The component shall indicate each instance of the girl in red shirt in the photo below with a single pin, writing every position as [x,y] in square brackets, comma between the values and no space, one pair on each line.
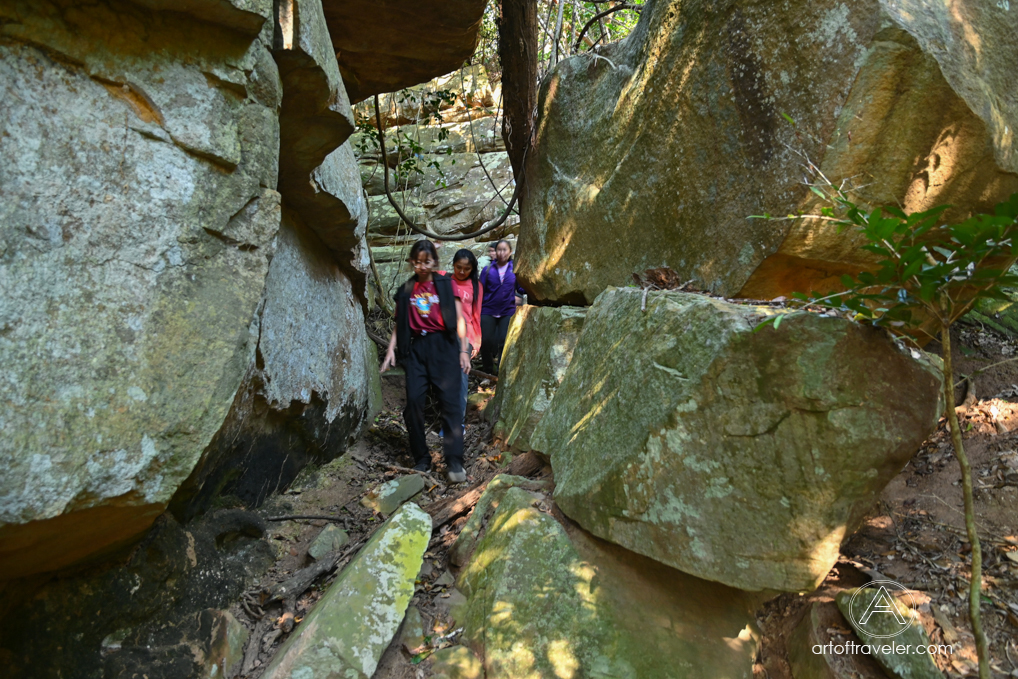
[430,341]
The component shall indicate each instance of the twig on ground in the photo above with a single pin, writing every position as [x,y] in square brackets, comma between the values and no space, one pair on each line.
[307,517]
[407,470]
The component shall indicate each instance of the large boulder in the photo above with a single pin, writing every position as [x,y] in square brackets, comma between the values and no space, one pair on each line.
[347,631]
[386,46]
[653,151]
[313,387]
[314,381]
[318,174]
[538,348]
[135,236]
[545,601]
[737,456]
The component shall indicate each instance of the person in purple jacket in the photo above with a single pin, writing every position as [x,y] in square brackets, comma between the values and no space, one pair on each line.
[501,295]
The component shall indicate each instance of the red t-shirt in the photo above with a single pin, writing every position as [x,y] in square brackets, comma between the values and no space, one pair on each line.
[425,314]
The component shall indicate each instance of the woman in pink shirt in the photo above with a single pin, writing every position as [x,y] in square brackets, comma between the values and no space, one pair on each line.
[470,293]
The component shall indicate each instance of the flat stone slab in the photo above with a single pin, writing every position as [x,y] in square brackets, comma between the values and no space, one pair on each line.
[346,633]
[386,498]
[881,617]
[330,539]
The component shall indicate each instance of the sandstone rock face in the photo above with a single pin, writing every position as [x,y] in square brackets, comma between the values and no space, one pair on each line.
[546,602]
[386,46]
[655,151]
[538,348]
[318,174]
[735,456]
[457,148]
[156,352]
[346,632]
[315,380]
[314,385]
[138,167]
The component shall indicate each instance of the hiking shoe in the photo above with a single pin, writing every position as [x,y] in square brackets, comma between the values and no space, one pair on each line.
[423,466]
[456,473]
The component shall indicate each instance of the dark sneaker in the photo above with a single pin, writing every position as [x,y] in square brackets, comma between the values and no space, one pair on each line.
[456,473]
[423,466]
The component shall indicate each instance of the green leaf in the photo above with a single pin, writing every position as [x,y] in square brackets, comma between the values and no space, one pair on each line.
[777,321]
[788,118]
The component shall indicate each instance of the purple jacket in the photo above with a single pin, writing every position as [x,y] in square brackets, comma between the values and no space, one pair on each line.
[499,296]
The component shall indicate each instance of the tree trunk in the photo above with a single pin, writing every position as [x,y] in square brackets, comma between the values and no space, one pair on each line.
[517,47]
[558,32]
[975,583]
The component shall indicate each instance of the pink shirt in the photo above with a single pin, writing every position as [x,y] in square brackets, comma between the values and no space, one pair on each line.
[471,308]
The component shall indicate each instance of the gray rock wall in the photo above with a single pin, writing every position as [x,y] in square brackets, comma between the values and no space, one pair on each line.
[138,168]
[314,384]
[459,148]
[143,146]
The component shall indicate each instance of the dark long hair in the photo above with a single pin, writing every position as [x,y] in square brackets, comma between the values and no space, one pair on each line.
[423,245]
[463,253]
[508,245]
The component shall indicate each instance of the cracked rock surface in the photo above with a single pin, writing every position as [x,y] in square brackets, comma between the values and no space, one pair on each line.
[138,165]
[740,457]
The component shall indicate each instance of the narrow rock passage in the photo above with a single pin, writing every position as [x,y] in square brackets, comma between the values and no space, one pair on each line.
[348,493]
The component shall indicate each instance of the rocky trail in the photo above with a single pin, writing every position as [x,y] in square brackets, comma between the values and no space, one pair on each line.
[340,493]
[915,536]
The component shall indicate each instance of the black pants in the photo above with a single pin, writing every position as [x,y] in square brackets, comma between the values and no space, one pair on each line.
[493,332]
[434,360]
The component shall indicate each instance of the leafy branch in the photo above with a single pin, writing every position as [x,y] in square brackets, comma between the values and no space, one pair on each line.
[927,275]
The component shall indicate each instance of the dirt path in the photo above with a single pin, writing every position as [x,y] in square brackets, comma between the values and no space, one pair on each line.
[335,490]
[915,535]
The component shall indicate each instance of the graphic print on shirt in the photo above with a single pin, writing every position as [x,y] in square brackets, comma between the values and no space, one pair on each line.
[423,302]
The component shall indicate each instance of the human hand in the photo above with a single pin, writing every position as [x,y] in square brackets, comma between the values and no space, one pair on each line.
[464,363]
[390,360]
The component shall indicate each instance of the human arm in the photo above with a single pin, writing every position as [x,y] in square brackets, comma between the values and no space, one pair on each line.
[475,322]
[390,353]
[461,334]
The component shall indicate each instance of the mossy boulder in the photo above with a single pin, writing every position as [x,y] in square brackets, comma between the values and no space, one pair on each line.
[654,150]
[347,631]
[738,456]
[538,348]
[544,601]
